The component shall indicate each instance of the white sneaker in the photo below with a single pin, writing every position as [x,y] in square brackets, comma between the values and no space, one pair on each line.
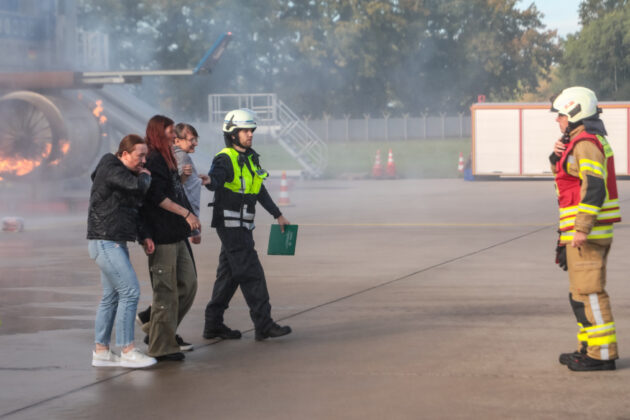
[105,358]
[136,359]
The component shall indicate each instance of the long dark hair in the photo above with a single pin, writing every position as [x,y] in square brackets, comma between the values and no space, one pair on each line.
[156,139]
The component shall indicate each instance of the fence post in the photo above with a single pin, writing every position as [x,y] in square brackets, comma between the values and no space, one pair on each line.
[347,118]
[443,116]
[461,125]
[424,125]
[367,126]
[326,120]
[386,117]
[405,122]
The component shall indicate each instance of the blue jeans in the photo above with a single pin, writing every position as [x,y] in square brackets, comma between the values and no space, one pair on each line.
[121,292]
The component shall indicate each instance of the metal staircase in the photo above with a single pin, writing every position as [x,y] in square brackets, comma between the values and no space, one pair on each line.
[277,120]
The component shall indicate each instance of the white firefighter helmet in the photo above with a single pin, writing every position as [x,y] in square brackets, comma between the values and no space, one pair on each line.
[576,102]
[239,118]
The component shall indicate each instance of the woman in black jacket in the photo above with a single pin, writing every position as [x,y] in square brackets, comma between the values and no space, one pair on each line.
[168,221]
[118,184]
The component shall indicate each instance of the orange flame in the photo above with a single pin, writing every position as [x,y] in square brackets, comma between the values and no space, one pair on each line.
[64,146]
[18,166]
[98,109]
[98,112]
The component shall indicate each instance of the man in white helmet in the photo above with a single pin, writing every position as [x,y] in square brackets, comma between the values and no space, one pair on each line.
[583,164]
[237,180]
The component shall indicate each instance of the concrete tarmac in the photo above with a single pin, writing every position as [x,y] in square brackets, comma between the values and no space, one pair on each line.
[408,299]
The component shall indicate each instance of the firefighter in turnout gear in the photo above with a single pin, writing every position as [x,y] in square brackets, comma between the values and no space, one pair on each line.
[236,178]
[584,168]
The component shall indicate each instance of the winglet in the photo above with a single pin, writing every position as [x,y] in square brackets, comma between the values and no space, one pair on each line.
[213,55]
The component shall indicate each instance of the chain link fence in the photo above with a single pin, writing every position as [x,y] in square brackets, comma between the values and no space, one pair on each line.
[390,128]
[333,130]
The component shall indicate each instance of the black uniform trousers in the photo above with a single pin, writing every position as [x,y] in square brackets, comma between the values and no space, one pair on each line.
[239,266]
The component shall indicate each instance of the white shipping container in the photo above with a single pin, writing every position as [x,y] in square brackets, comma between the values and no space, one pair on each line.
[512,139]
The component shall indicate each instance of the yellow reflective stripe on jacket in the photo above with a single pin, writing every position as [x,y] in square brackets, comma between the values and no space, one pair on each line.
[598,232]
[607,149]
[570,196]
[610,204]
[602,216]
[588,209]
[568,211]
[591,165]
[609,214]
[609,210]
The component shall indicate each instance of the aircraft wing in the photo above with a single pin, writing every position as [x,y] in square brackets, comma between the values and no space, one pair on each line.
[96,79]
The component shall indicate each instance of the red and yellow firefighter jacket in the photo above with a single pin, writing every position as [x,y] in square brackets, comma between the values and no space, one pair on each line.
[587,188]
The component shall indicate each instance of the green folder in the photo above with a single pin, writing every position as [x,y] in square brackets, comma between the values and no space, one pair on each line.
[282,243]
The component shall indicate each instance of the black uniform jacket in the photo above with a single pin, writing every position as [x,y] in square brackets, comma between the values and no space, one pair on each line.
[115,197]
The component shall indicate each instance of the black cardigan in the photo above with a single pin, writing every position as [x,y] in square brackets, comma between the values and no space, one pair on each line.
[161,225]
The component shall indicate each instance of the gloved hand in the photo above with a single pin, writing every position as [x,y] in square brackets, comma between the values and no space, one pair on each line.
[561,256]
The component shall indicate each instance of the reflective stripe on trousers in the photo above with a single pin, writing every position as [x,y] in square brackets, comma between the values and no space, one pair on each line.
[590,302]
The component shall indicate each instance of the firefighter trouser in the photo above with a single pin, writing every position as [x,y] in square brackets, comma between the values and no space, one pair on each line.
[239,266]
[590,302]
[174,282]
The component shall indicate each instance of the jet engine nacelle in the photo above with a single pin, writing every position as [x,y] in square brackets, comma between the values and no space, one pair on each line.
[46,137]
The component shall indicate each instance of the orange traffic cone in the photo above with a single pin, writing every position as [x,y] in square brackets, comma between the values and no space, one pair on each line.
[391,166]
[377,169]
[460,165]
[283,199]
[12,224]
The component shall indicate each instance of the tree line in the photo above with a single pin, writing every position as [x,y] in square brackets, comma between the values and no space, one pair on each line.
[356,57]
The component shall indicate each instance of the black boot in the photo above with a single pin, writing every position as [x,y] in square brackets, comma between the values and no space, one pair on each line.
[586,364]
[173,357]
[274,331]
[221,331]
[565,358]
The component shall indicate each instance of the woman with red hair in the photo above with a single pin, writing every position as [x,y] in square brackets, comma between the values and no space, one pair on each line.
[168,221]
